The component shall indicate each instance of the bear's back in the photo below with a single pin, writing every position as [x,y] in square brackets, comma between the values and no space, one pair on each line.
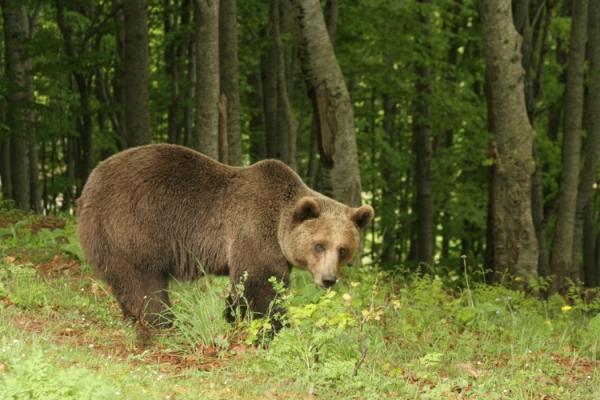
[151,202]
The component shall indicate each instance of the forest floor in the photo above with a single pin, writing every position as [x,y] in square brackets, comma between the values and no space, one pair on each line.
[374,336]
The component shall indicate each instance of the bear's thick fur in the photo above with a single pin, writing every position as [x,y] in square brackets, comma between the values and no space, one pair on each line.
[156,211]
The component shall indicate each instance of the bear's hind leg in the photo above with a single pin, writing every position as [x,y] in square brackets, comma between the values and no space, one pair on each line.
[142,295]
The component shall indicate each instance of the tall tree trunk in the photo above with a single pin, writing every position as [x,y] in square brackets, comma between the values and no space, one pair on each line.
[389,190]
[268,69]
[423,155]
[17,76]
[589,242]
[85,127]
[539,221]
[207,77]
[223,145]
[108,109]
[535,32]
[561,261]
[287,125]
[5,174]
[171,57]
[515,243]
[591,149]
[258,149]
[596,272]
[190,73]
[84,87]
[69,161]
[312,169]
[118,82]
[336,116]
[229,73]
[136,84]
[331,16]
[35,197]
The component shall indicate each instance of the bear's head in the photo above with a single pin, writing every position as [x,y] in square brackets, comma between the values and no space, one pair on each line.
[321,235]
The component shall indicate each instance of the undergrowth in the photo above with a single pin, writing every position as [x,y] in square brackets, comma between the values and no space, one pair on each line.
[375,335]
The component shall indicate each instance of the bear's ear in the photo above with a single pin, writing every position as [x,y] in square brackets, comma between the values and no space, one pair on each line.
[306,208]
[362,216]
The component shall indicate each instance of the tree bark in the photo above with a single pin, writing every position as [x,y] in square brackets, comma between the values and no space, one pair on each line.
[423,155]
[223,137]
[389,190]
[136,84]
[118,82]
[268,67]
[18,79]
[589,240]
[561,261]
[5,174]
[331,15]
[286,123]
[190,56]
[515,243]
[596,272]
[171,57]
[229,72]
[258,149]
[591,149]
[336,116]
[207,77]
[83,81]
[534,30]
[539,220]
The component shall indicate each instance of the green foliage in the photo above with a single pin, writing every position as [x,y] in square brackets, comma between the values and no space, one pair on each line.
[371,337]
[21,236]
[379,44]
[198,315]
[32,377]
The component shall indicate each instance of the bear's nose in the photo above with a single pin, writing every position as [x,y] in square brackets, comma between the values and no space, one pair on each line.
[329,281]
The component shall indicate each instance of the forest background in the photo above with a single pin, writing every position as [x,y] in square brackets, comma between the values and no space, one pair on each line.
[472,127]
[464,144]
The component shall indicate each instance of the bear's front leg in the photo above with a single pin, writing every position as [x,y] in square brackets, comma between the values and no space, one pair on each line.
[252,291]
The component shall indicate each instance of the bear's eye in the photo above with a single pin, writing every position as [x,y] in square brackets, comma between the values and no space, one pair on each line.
[319,247]
[343,252]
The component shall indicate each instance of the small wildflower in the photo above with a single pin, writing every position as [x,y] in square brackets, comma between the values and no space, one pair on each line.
[347,297]
[566,308]
[396,304]
[365,313]
[354,284]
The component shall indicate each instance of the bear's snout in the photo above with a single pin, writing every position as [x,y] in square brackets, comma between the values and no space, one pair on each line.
[329,281]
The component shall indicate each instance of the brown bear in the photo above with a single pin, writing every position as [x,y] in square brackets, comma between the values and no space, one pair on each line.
[159,211]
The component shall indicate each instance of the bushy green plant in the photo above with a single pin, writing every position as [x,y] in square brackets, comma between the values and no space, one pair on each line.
[19,236]
[198,314]
[32,377]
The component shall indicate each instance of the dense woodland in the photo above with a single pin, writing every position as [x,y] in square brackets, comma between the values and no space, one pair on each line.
[472,127]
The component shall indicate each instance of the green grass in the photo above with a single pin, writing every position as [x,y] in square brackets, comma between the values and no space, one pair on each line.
[374,337]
